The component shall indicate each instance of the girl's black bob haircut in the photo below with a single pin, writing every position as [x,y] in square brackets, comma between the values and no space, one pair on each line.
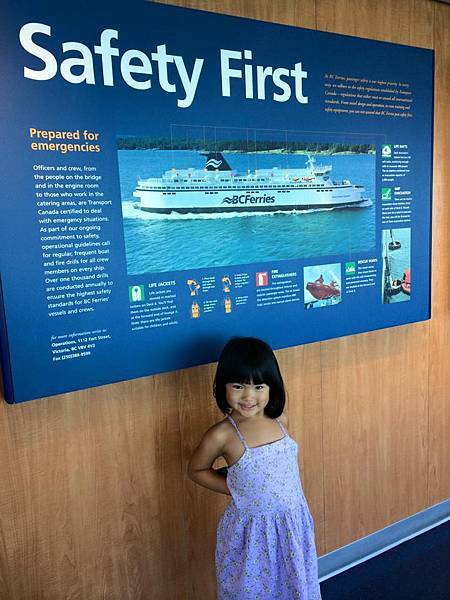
[249,360]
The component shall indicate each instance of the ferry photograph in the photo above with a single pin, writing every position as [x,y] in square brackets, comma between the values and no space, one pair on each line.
[322,285]
[396,258]
[197,203]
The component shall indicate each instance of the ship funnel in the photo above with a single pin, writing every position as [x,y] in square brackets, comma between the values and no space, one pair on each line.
[215,162]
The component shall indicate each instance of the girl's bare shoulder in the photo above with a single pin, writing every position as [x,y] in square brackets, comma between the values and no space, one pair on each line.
[212,445]
[218,434]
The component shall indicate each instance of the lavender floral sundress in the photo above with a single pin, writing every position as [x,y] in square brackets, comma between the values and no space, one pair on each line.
[265,540]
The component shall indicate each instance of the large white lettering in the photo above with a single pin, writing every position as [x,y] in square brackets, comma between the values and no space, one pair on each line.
[135,66]
[140,70]
[278,77]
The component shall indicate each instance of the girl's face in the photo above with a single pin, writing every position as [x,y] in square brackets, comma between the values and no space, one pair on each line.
[247,399]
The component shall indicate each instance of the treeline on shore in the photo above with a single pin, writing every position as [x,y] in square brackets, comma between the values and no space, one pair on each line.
[146,143]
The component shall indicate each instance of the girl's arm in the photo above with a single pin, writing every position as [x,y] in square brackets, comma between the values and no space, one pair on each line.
[200,466]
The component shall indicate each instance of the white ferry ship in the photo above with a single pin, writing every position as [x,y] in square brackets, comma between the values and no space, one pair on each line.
[219,189]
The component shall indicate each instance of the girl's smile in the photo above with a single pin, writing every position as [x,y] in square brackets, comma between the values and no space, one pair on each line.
[247,399]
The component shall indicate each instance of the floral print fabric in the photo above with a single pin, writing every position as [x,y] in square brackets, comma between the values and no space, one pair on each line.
[265,539]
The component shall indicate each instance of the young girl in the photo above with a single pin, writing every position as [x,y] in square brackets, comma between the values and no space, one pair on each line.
[265,539]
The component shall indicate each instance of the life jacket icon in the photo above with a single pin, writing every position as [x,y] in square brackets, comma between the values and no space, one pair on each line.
[195,310]
[227,303]
[136,293]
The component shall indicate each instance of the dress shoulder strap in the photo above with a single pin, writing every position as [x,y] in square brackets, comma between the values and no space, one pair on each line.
[241,437]
[282,427]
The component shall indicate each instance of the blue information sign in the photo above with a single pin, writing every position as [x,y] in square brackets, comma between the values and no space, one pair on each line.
[171,178]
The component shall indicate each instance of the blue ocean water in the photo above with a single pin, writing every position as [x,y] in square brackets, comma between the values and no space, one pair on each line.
[156,243]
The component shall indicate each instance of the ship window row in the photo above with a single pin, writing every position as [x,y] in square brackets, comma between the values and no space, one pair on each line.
[252,189]
[228,183]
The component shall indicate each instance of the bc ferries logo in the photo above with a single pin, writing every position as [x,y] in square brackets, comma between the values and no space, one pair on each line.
[215,164]
[248,199]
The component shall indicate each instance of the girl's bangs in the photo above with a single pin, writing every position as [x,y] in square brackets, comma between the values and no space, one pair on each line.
[245,373]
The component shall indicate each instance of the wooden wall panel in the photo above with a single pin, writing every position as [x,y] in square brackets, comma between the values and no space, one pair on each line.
[95,503]
[301,368]
[398,21]
[300,13]
[375,430]
[202,508]
[439,358]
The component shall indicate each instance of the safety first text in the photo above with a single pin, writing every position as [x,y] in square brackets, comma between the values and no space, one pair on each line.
[139,70]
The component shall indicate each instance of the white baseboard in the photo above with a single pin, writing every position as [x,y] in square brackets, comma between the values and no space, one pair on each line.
[371,545]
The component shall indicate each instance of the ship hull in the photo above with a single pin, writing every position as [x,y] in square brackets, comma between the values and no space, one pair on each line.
[322,292]
[259,209]
[240,200]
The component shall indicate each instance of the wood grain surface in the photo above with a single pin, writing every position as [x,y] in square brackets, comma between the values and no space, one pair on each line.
[439,356]
[95,503]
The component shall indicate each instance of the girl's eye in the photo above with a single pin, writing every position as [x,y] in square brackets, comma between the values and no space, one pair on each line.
[260,386]
[237,386]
